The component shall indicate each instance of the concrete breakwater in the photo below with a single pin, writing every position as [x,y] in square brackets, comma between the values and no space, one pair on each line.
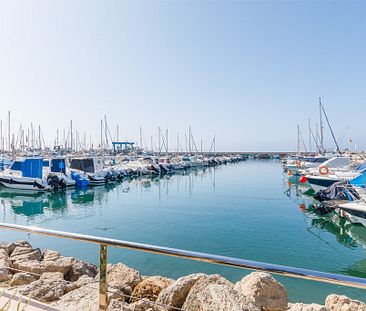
[70,284]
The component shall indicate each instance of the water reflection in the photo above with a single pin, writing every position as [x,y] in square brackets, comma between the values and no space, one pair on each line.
[35,204]
[32,204]
[348,234]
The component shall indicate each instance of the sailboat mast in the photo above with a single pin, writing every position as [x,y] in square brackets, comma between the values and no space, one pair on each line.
[71,136]
[321,126]
[1,135]
[298,140]
[101,133]
[140,137]
[159,140]
[331,130]
[310,148]
[166,141]
[9,131]
[39,137]
[189,140]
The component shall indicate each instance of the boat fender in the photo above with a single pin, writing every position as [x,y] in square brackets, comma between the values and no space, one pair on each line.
[323,170]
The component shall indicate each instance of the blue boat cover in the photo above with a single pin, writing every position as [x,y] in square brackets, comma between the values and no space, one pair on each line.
[17,166]
[29,167]
[359,181]
[58,166]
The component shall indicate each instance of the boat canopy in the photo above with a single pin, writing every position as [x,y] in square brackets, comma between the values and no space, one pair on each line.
[29,167]
[84,165]
[337,162]
[58,166]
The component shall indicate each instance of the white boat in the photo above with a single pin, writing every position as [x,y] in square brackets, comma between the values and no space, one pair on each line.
[331,171]
[89,168]
[25,175]
[355,212]
[55,170]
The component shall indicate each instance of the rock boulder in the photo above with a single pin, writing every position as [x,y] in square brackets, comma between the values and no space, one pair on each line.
[123,277]
[46,289]
[22,279]
[213,292]
[305,307]
[150,288]
[264,291]
[343,303]
[176,293]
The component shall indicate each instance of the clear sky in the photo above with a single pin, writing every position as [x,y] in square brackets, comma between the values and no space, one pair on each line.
[247,71]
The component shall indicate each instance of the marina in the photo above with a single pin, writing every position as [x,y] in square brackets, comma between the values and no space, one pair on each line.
[182,155]
[200,209]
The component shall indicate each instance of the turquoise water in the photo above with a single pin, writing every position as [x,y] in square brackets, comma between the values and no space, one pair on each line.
[237,210]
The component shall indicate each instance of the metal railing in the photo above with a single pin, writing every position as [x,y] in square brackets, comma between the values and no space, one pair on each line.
[300,273]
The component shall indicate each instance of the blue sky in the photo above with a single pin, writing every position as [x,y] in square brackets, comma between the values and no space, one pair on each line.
[247,71]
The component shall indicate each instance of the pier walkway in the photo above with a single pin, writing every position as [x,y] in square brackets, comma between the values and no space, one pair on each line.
[11,300]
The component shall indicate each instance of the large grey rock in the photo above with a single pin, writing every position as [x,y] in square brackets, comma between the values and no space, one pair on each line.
[123,277]
[343,303]
[46,289]
[5,271]
[213,292]
[264,291]
[32,266]
[8,247]
[305,307]
[80,268]
[62,264]
[22,253]
[150,288]
[86,298]
[52,275]
[22,279]
[84,280]
[145,305]
[3,253]
[50,255]
[118,305]
[176,293]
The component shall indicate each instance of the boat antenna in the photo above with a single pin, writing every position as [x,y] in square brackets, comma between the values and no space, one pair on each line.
[331,130]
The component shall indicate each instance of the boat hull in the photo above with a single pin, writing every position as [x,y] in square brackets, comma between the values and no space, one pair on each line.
[23,183]
[320,183]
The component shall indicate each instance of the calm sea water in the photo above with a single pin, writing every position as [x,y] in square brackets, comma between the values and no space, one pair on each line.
[237,210]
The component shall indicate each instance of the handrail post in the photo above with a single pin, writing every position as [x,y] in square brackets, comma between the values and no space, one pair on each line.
[103,300]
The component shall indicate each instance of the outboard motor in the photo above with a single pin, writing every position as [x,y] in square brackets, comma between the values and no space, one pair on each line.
[54,182]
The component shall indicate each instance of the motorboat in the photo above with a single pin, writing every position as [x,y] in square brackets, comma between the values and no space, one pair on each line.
[25,174]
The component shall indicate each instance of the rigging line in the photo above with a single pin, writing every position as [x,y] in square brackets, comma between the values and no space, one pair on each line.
[303,143]
[331,130]
[317,145]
